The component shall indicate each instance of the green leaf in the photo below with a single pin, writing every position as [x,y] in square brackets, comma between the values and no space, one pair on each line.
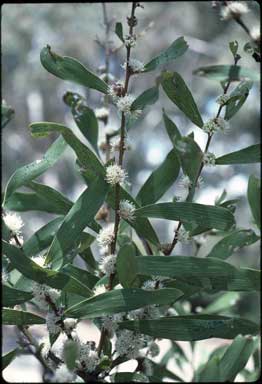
[7,113]
[121,300]
[237,98]
[171,128]
[209,215]
[247,155]
[31,171]
[160,371]
[119,31]
[86,121]
[68,68]
[11,296]
[80,275]
[227,72]
[192,327]
[8,358]
[225,301]
[209,372]
[233,46]
[70,353]
[176,49]
[254,198]
[148,97]
[211,274]
[190,156]
[86,157]
[75,221]
[14,317]
[127,377]
[34,272]
[126,266]
[232,242]
[160,180]
[42,238]
[178,92]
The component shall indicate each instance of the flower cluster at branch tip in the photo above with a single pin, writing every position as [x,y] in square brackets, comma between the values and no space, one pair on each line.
[186,183]
[209,159]
[108,264]
[130,41]
[135,65]
[106,236]
[129,343]
[115,174]
[234,9]
[183,236]
[69,324]
[13,222]
[124,103]
[53,323]
[222,99]
[127,210]
[63,375]
[44,294]
[88,357]
[216,124]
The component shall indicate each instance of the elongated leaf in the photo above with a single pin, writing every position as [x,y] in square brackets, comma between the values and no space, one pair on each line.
[232,242]
[126,266]
[227,72]
[193,327]
[225,301]
[148,97]
[237,98]
[176,49]
[42,238]
[31,171]
[8,358]
[178,92]
[211,216]
[211,274]
[81,275]
[254,198]
[68,68]
[34,272]
[121,300]
[79,216]
[171,128]
[209,372]
[14,317]
[160,371]
[11,296]
[86,157]
[70,353]
[247,155]
[160,180]
[119,31]
[86,121]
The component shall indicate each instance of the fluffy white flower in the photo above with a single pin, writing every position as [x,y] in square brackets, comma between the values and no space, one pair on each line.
[70,324]
[215,125]
[84,350]
[184,182]
[109,323]
[136,314]
[183,236]
[42,293]
[147,367]
[115,174]
[108,264]
[99,290]
[128,343]
[222,99]
[124,103]
[209,159]
[234,9]
[130,41]
[135,65]
[153,349]
[52,323]
[102,113]
[107,77]
[92,361]
[149,285]
[127,210]
[63,375]
[106,236]
[13,222]
[255,33]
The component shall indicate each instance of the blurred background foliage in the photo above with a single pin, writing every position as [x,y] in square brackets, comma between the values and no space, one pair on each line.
[74,30]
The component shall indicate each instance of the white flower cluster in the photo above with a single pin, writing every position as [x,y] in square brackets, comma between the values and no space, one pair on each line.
[63,375]
[42,293]
[135,65]
[153,349]
[124,103]
[53,323]
[69,325]
[108,264]
[222,99]
[215,125]
[110,322]
[209,159]
[150,285]
[106,236]
[128,343]
[130,41]
[115,174]
[127,210]
[88,358]
[186,183]
[13,222]
[234,9]
[183,236]
[102,113]
[256,33]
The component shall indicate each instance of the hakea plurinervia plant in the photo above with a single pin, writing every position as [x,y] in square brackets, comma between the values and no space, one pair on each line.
[136,289]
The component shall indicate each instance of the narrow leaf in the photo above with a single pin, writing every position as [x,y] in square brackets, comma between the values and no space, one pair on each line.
[247,155]
[171,128]
[8,358]
[237,98]
[12,297]
[254,198]
[148,97]
[14,317]
[126,266]
[227,72]
[119,31]
[86,121]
